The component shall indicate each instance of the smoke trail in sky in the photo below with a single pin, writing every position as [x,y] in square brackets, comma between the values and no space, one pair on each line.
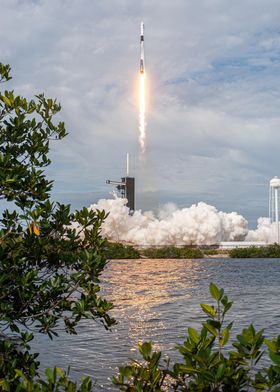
[142,114]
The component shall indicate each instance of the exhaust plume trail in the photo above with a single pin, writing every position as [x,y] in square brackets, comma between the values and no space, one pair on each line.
[142,109]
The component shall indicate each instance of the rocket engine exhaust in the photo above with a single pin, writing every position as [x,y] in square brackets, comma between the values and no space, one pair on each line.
[142,98]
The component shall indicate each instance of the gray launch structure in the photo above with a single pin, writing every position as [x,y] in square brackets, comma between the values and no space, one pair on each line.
[126,188]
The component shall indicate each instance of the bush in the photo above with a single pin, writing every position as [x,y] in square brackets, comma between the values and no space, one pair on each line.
[49,273]
[116,250]
[171,252]
[207,363]
[270,251]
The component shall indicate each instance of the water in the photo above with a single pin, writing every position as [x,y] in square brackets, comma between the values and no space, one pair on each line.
[158,300]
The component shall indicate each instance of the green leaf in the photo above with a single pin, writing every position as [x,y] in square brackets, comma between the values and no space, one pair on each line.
[271,345]
[145,349]
[216,324]
[225,336]
[49,374]
[194,335]
[275,358]
[211,329]
[10,180]
[221,370]
[19,373]
[276,369]
[214,291]
[208,310]
[188,369]
[7,101]
[59,372]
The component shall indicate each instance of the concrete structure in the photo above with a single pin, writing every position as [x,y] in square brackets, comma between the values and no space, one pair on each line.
[240,244]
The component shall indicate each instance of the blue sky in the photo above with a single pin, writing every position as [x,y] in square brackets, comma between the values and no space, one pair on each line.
[213,117]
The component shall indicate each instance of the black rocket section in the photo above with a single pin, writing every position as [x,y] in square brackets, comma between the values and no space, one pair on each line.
[142,55]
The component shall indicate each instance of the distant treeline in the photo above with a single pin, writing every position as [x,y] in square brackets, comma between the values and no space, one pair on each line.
[116,250]
[269,251]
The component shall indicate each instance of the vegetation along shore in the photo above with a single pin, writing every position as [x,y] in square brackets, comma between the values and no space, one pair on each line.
[117,250]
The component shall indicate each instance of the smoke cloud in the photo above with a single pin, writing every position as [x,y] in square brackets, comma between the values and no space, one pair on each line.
[200,224]
[265,232]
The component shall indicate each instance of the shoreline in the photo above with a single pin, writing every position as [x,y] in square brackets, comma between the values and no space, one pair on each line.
[124,251]
[217,256]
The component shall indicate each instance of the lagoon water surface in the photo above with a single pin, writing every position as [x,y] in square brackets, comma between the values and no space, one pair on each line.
[158,300]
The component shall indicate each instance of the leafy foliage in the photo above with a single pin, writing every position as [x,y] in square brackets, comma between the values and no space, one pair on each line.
[55,380]
[208,363]
[116,250]
[269,251]
[172,252]
[49,272]
[143,377]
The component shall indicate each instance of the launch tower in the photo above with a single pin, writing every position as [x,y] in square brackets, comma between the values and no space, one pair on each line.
[126,187]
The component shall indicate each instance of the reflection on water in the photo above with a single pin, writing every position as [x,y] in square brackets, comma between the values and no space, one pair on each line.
[158,300]
[142,294]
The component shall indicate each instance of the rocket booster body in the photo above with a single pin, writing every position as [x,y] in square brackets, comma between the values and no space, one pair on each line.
[142,55]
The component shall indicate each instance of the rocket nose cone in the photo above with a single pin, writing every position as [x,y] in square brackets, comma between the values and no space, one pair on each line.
[142,28]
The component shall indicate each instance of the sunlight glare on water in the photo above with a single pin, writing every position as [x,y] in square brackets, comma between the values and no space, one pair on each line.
[158,300]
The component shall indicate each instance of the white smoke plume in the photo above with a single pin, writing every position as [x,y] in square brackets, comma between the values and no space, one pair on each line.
[265,232]
[200,224]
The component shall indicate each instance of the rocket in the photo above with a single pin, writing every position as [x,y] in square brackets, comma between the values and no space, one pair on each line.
[142,57]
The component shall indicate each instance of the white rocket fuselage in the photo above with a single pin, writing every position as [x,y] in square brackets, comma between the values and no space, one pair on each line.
[142,55]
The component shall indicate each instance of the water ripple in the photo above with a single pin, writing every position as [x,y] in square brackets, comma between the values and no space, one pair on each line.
[158,300]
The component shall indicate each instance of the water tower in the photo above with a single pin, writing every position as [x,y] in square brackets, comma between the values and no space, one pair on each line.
[274,186]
